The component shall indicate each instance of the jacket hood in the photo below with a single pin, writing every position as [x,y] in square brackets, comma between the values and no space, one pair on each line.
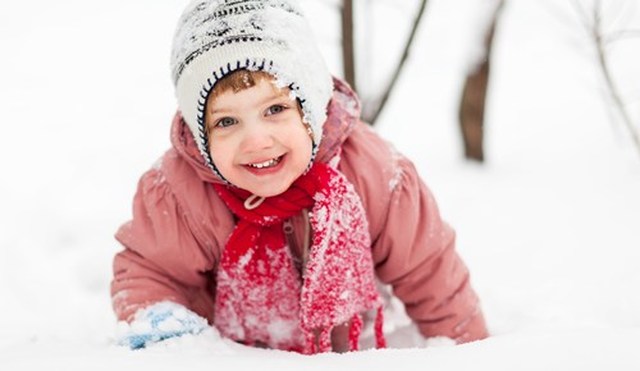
[343,113]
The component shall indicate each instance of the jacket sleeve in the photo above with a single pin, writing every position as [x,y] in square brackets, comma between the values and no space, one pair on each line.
[413,248]
[162,257]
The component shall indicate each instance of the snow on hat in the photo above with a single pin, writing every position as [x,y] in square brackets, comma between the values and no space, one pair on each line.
[217,37]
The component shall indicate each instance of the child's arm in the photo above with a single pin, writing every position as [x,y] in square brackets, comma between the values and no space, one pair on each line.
[162,259]
[415,253]
[413,249]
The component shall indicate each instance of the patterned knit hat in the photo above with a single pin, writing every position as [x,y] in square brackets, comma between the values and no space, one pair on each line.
[217,37]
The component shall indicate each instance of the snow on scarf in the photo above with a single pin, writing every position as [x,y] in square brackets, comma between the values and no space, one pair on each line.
[261,298]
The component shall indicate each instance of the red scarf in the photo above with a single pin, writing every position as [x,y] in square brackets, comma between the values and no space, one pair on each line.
[261,299]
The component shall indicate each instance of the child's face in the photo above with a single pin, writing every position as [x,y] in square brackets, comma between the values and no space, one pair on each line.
[257,139]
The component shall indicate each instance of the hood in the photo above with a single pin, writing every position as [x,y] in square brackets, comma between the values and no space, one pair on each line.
[342,114]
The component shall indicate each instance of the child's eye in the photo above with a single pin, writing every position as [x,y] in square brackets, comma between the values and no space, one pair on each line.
[225,122]
[275,109]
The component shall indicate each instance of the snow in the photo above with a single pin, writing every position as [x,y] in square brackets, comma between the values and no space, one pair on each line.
[548,226]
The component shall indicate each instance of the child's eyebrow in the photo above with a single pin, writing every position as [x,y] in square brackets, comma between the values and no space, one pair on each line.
[275,96]
[219,110]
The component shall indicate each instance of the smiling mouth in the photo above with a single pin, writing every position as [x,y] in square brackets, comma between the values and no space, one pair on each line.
[266,164]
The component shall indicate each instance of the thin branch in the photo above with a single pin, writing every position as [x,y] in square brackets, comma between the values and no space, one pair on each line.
[582,13]
[606,73]
[400,66]
[620,35]
[557,11]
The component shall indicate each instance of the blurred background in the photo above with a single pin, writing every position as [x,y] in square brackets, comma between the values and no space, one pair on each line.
[547,213]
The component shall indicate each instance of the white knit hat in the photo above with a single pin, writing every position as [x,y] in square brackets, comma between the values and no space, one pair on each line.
[217,37]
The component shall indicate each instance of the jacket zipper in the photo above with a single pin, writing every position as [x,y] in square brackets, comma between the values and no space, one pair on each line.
[289,233]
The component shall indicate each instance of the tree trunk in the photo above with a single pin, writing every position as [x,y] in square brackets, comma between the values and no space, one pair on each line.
[474,93]
[348,47]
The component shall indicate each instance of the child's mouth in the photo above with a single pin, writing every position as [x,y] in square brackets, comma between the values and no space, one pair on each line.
[266,164]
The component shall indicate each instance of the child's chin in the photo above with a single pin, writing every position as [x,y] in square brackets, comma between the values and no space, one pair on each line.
[270,191]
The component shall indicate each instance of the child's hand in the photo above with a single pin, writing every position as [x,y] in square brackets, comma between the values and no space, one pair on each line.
[158,322]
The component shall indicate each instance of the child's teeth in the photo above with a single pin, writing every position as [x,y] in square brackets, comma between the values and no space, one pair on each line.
[269,163]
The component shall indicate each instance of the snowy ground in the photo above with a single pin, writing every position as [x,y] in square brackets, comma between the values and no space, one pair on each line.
[549,226]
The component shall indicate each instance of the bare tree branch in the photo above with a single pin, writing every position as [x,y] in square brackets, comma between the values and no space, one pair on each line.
[620,35]
[557,11]
[594,27]
[405,54]
[582,13]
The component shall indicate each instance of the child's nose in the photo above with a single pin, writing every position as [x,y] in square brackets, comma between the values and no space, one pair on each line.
[257,137]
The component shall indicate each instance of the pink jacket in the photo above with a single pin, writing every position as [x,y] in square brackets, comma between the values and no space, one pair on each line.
[180,225]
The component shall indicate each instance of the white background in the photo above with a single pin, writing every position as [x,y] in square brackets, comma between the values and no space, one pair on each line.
[549,226]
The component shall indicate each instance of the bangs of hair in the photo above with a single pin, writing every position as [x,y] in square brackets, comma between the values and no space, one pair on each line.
[238,81]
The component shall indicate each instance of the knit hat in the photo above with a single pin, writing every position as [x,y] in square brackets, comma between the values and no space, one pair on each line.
[217,37]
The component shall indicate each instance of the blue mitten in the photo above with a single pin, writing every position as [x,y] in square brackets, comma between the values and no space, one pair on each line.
[158,322]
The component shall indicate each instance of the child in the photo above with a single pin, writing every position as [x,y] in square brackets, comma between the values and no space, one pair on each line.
[276,210]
